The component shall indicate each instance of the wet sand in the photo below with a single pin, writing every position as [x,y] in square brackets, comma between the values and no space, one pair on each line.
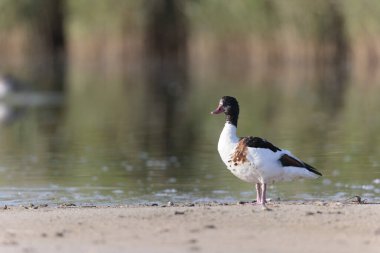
[288,227]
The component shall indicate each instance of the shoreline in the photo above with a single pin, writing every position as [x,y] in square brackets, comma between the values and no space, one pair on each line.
[305,226]
[273,205]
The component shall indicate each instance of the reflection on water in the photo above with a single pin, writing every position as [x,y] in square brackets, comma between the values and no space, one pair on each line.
[115,146]
[98,135]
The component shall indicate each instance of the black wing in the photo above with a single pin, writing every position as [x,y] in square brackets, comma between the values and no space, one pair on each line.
[257,142]
[287,160]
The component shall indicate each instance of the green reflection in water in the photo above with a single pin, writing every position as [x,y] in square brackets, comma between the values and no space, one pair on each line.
[99,145]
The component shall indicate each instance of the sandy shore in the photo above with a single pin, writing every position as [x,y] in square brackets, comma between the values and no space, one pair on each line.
[289,227]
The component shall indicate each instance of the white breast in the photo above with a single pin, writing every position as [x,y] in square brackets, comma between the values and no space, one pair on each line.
[227,142]
[226,146]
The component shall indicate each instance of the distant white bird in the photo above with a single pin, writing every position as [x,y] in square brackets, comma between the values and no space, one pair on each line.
[8,85]
[253,159]
[4,87]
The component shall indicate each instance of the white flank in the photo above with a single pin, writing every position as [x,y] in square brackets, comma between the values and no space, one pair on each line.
[262,165]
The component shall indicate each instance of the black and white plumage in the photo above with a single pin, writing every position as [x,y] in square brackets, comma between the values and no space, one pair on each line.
[253,159]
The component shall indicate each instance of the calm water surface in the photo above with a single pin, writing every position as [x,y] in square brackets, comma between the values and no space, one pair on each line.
[111,142]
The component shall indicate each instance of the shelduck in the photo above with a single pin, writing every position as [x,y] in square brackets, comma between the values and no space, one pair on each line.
[254,159]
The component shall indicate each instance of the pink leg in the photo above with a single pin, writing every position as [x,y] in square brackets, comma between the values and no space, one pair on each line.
[258,193]
[263,193]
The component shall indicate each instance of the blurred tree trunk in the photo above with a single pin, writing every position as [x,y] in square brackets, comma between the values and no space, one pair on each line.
[166,63]
[332,57]
[333,45]
[272,25]
[166,46]
[48,43]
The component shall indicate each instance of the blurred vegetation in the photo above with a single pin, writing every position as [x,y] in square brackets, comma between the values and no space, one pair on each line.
[250,33]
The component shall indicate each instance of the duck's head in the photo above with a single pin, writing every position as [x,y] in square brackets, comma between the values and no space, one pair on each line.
[230,107]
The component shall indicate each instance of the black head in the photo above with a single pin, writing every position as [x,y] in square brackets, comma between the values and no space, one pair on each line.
[230,107]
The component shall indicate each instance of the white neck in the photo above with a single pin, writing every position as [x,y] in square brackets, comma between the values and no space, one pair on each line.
[227,141]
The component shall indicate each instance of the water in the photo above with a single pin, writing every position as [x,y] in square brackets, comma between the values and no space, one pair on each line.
[121,145]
